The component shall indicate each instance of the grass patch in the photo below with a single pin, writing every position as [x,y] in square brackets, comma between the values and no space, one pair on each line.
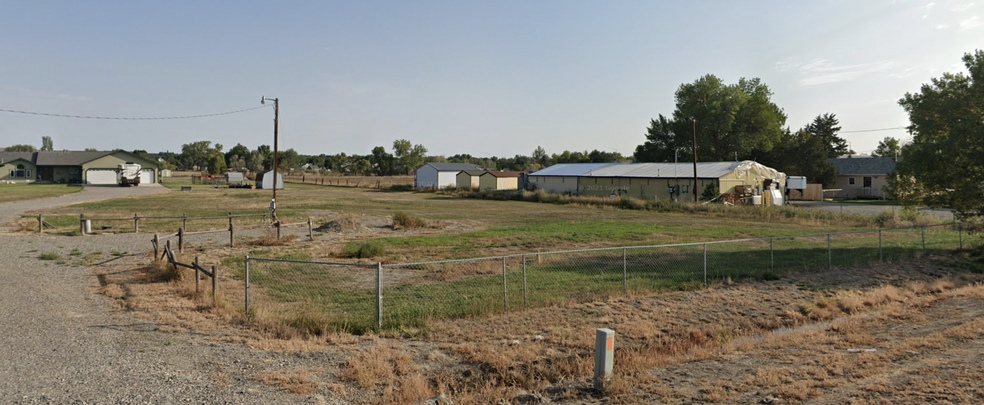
[402,220]
[49,256]
[23,191]
[364,250]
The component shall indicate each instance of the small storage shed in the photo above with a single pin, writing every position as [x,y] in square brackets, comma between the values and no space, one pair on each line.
[499,181]
[268,182]
[468,179]
[440,175]
[235,178]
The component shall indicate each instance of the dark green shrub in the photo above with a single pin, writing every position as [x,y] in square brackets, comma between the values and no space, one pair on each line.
[365,249]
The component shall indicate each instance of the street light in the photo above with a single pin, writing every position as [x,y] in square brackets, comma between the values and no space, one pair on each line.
[276,118]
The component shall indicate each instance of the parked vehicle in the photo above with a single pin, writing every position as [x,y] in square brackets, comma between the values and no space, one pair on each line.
[128,174]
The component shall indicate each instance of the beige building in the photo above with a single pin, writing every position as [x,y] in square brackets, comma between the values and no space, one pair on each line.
[87,167]
[861,177]
[660,180]
[468,179]
[499,181]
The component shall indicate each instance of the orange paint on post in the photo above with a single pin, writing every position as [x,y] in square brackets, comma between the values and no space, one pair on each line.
[610,343]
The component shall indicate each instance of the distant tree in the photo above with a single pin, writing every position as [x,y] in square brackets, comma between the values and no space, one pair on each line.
[237,163]
[730,119]
[942,167]
[540,157]
[825,127]
[91,150]
[888,147]
[382,161]
[239,151]
[801,153]
[47,144]
[411,157]
[254,161]
[217,163]
[20,148]
[362,166]
[144,154]
[195,155]
[288,160]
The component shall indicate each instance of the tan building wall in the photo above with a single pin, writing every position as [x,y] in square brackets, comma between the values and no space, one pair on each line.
[113,160]
[30,172]
[647,189]
[465,181]
[507,183]
[878,188]
[555,184]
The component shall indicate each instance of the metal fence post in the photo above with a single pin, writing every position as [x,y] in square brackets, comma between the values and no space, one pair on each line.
[247,286]
[830,257]
[505,300]
[625,273]
[525,304]
[705,265]
[379,295]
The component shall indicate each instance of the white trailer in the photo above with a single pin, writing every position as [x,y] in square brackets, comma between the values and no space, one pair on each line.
[128,174]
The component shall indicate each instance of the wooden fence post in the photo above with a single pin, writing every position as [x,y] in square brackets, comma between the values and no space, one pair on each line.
[180,240]
[232,236]
[310,229]
[214,283]
[136,220]
[157,244]
[184,221]
[40,223]
[196,275]
[277,224]
[82,224]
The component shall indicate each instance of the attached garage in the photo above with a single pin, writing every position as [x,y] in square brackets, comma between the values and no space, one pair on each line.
[147,176]
[100,176]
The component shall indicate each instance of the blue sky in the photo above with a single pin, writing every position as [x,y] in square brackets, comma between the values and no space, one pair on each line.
[486,78]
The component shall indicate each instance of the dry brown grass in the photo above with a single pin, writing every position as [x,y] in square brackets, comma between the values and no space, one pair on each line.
[270,239]
[299,382]
[377,365]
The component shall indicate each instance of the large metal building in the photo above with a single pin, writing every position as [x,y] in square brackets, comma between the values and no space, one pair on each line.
[656,180]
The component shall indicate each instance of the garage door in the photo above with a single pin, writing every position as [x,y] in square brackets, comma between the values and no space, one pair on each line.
[147,176]
[100,176]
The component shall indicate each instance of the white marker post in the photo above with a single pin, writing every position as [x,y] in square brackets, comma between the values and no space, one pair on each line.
[604,356]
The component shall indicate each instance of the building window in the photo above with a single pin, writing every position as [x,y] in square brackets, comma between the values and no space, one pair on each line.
[850,180]
[686,188]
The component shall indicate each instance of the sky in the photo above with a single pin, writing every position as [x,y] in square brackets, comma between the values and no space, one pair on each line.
[486,78]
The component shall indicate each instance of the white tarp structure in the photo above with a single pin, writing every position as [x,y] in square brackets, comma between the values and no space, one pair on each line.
[268,182]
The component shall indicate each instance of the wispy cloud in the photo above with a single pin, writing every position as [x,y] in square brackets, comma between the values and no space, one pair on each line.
[963,7]
[942,26]
[822,71]
[785,65]
[901,75]
[930,6]
[45,94]
[971,23]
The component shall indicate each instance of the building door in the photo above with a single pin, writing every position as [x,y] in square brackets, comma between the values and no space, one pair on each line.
[47,173]
[866,184]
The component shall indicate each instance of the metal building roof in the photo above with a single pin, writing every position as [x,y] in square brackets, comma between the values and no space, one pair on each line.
[667,170]
[453,167]
[571,169]
[867,166]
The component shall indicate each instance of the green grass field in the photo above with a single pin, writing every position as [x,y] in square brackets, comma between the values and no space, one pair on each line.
[22,191]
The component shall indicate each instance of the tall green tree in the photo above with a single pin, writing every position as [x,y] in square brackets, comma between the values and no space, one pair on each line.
[217,163]
[382,161]
[47,144]
[944,164]
[826,127]
[196,154]
[410,157]
[888,147]
[730,120]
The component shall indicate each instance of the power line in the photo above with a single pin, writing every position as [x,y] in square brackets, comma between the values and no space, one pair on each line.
[872,130]
[89,117]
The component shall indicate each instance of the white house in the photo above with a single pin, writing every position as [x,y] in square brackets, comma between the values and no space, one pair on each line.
[440,175]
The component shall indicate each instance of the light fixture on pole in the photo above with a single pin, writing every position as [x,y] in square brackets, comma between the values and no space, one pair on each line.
[276,118]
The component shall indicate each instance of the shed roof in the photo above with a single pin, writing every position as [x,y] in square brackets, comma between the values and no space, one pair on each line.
[863,165]
[453,167]
[504,174]
[473,172]
[570,169]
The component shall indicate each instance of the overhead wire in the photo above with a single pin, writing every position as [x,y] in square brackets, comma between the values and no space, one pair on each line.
[131,118]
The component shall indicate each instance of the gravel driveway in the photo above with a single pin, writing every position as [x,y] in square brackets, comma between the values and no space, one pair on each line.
[867,209]
[61,342]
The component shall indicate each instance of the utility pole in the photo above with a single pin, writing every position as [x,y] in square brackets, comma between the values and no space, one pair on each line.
[695,162]
[276,126]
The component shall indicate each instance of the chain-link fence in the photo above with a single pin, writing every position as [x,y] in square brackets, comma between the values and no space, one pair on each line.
[323,296]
